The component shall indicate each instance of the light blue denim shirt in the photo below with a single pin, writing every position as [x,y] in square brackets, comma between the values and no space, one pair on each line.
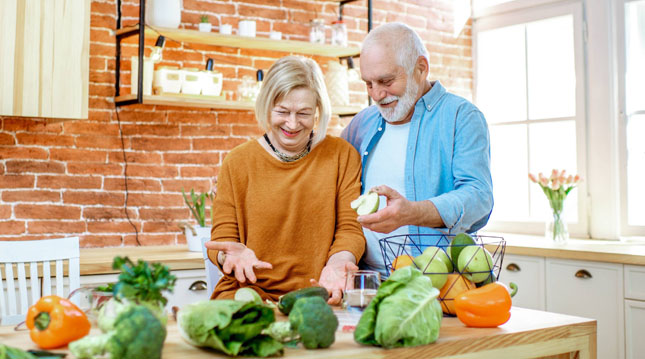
[447,161]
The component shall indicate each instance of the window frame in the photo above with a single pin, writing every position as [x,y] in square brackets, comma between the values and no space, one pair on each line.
[518,12]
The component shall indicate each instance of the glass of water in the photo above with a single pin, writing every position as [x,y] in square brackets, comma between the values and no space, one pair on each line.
[360,288]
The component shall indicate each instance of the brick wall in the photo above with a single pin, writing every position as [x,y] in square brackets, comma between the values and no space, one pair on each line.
[67,178]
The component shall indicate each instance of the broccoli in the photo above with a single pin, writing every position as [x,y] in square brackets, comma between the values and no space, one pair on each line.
[137,333]
[315,322]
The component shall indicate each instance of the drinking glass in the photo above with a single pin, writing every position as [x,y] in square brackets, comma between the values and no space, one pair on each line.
[360,288]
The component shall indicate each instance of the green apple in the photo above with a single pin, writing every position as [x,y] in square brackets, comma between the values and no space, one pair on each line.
[432,267]
[475,263]
[458,243]
[438,253]
[366,203]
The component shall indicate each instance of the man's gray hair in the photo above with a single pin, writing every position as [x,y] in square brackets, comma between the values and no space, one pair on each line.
[401,40]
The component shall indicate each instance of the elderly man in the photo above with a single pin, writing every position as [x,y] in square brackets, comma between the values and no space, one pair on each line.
[425,150]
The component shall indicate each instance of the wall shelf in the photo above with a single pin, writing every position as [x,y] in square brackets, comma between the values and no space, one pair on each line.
[243,42]
[210,102]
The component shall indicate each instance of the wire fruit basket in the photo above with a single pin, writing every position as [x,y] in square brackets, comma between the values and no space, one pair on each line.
[454,263]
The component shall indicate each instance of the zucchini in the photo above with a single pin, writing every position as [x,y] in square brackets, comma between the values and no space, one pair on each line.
[286,302]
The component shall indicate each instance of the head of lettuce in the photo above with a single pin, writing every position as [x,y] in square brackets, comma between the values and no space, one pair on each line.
[404,313]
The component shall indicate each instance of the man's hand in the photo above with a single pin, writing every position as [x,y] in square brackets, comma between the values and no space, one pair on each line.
[334,275]
[400,212]
[239,259]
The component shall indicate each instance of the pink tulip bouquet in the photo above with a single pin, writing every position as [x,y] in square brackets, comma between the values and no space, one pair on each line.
[556,188]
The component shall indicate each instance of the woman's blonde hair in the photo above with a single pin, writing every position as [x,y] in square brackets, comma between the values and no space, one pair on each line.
[285,75]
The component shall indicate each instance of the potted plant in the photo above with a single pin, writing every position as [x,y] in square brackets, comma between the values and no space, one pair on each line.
[197,206]
[204,25]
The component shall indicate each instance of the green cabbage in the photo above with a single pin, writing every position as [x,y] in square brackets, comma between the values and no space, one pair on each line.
[230,326]
[405,312]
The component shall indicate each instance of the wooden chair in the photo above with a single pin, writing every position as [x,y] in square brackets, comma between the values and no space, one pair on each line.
[39,256]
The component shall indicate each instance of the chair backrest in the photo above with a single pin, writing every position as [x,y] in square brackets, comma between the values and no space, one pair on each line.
[39,255]
[213,273]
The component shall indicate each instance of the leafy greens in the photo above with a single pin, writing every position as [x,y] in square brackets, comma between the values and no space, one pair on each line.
[405,312]
[232,327]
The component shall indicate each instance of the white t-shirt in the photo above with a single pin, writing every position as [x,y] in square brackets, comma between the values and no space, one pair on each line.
[385,166]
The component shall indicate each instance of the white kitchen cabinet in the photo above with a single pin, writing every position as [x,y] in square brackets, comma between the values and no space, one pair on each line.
[634,311]
[189,287]
[590,290]
[528,273]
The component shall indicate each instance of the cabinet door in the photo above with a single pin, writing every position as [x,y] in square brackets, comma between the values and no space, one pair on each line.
[44,58]
[190,287]
[528,273]
[590,290]
[634,282]
[634,328]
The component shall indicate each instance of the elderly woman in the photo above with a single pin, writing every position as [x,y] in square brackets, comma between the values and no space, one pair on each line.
[282,215]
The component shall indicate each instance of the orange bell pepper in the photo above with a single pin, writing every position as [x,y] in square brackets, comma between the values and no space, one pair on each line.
[485,307]
[54,321]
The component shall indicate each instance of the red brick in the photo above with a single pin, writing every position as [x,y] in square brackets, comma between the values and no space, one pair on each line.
[12,227]
[101,35]
[201,131]
[311,6]
[261,12]
[146,171]
[146,214]
[236,117]
[106,90]
[7,139]
[34,167]
[44,227]
[104,77]
[98,20]
[106,8]
[134,184]
[180,55]
[112,227]
[94,198]
[160,144]
[155,200]
[5,211]
[189,158]
[100,241]
[77,182]
[246,130]
[160,227]
[19,124]
[199,186]
[217,144]
[99,49]
[100,103]
[77,155]
[151,130]
[22,152]
[17,181]
[30,196]
[156,239]
[106,213]
[100,142]
[106,169]
[140,116]
[199,171]
[45,140]
[134,157]
[192,117]
[43,211]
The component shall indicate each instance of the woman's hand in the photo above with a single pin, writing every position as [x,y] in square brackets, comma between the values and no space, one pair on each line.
[334,275]
[239,259]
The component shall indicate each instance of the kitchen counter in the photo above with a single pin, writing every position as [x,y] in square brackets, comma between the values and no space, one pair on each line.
[99,260]
[528,334]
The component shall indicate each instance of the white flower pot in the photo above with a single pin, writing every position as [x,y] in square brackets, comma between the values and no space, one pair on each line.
[195,240]
[205,26]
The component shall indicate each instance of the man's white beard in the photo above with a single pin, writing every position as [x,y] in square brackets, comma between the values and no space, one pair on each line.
[404,105]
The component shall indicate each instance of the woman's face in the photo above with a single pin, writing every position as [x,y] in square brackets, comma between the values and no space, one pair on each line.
[292,120]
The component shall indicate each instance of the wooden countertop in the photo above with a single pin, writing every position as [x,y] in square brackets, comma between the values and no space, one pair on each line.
[99,260]
[528,334]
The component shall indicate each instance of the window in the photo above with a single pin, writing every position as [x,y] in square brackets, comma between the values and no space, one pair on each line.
[633,108]
[529,83]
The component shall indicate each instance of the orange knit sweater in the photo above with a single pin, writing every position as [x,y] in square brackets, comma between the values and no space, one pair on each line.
[293,215]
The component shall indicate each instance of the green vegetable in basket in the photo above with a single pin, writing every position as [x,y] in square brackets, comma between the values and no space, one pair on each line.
[405,312]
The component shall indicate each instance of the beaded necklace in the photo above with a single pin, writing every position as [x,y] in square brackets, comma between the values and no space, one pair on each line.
[286,158]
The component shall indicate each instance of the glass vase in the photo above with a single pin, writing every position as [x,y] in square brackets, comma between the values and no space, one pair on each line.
[556,228]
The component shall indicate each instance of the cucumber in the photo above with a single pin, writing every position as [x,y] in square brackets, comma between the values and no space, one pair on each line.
[286,302]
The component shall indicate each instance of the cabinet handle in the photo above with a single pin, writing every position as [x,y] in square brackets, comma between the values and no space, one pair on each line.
[198,285]
[583,274]
[512,267]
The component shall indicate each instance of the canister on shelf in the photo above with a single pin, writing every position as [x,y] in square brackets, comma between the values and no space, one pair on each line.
[336,83]
[317,31]
[167,80]
[190,81]
[148,67]
[338,33]
[211,80]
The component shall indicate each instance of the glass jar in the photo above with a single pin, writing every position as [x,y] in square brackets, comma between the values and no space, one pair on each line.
[317,31]
[338,33]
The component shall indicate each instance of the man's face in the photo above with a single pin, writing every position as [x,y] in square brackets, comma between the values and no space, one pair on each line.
[388,84]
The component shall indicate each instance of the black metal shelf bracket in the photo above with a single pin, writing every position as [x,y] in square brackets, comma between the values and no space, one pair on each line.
[142,39]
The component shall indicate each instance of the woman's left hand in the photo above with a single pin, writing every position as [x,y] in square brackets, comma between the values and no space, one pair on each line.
[334,275]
